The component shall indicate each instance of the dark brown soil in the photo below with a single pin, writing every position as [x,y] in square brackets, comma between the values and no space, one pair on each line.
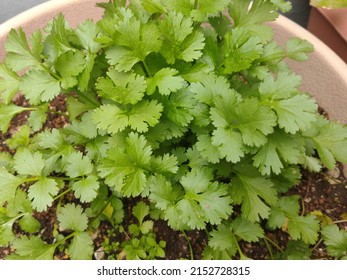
[325,192]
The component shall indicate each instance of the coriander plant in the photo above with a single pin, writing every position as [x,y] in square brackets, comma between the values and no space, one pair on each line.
[186,106]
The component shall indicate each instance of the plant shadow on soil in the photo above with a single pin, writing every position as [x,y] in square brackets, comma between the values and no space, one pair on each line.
[325,192]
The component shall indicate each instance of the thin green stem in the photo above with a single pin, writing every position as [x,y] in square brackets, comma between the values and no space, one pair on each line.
[148,72]
[102,210]
[196,4]
[269,248]
[340,221]
[267,239]
[317,244]
[87,99]
[62,194]
[64,178]
[242,255]
[29,180]
[189,245]
[65,238]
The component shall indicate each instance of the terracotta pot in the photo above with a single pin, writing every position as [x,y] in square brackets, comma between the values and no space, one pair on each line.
[330,25]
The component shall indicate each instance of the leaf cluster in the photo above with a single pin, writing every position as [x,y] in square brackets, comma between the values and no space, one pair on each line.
[169,101]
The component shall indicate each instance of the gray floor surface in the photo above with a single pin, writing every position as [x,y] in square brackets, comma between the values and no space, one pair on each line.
[10,8]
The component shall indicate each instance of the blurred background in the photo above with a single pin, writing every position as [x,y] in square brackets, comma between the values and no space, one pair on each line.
[10,8]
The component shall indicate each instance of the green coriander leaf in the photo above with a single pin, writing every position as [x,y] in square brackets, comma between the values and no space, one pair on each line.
[141,115]
[125,167]
[208,8]
[166,81]
[210,86]
[6,161]
[216,203]
[7,113]
[296,113]
[180,41]
[287,206]
[255,122]
[20,204]
[97,149]
[111,118]
[85,77]
[36,43]
[53,139]
[29,224]
[336,240]
[39,86]
[247,13]
[135,41]
[204,201]
[207,150]
[223,238]
[181,6]
[6,233]
[164,164]
[197,180]
[140,211]
[280,148]
[32,248]
[124,88]
[330,141]
[19,54]
[81,247]
[255,196]
[20,139]
[86,189]
[146,227]
[229,144]
[75,107]
[9,82]
[57,42]
[192,47]
[192,213]
[8,186]
[241,49]
[38,117]
[164,196]
[297,250]
[28,163]
[84,130]
[284,6]
[71,217]
[121,58]
[69,65]
[285,86]
[78,165]
[250,232]
[41,193]
[153,6]
[304,227]
[178,107]
[297,49]
[272,52]
[87,32]
[162,193]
